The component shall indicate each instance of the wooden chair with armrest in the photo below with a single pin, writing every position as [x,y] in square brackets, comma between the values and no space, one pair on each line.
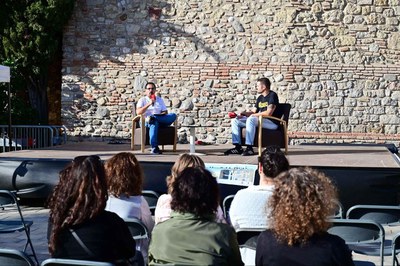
[140,133]
[267,137]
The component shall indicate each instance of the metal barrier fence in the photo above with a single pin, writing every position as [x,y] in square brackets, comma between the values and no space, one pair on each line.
[32,137]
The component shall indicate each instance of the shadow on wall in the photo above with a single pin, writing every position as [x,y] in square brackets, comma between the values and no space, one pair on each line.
[142,23]
[124,29]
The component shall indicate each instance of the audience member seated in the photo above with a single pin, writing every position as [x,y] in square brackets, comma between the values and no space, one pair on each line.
[191,236]
[299,210]
[163,208]
[79,225]
[125,181]
[248,206]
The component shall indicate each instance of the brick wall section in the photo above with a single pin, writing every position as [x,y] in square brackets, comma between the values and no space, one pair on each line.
[334,62]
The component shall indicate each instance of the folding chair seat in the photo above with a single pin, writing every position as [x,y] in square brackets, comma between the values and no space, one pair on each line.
[9,204]
[140,133]
[71,262]
[363,263]
[362,236]
[15,258]
[266,137]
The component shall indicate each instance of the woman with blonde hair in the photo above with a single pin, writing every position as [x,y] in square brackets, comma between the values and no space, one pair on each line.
[300,205]
[163,208]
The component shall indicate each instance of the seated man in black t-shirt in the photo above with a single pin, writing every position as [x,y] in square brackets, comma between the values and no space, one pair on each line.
[265,105]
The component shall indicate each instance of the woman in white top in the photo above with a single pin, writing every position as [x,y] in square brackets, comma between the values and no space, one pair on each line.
[125,182]
[163,208]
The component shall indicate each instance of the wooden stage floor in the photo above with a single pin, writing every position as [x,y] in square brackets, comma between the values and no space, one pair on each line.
[298,155]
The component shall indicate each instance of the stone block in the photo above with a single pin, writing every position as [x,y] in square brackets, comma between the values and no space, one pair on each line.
[364,2]
[390,77]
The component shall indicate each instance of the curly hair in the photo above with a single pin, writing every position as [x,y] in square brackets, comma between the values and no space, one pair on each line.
[273,161]
[300,204]
[124,175]
[195,191]
[80,195]
[184,161]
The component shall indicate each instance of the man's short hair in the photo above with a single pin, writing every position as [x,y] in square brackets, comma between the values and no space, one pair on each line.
[265,81]
[150,83]
[273,161]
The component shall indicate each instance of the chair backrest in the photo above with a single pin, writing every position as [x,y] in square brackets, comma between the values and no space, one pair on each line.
[282,111]
[15,258]
[7,198]
[248,236]
[226,204]
[66,262]
[137,228]
[382,214]
[358,232]
[151,198]
[338,214]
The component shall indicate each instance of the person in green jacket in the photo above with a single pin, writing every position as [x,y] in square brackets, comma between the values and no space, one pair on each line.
[191,236]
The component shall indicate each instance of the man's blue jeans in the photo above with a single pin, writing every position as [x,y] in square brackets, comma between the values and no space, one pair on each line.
[250,123]
[159,121]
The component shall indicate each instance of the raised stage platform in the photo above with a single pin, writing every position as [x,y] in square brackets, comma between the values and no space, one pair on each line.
[299,155]
[364,174]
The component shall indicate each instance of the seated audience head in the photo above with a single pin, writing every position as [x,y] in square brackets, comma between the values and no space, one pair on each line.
[300,205]
[80,195]
[195,191]
[272,162]
[124,175]
[184,161]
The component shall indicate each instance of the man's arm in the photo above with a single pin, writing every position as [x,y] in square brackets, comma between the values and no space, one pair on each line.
[247,113]
[142,110]
[270,110]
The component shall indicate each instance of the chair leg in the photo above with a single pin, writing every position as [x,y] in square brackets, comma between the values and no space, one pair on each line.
[29,242]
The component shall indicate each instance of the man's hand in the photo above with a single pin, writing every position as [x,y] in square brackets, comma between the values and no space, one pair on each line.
[152,98]
[247,113]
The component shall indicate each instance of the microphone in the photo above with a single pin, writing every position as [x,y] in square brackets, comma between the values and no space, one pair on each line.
[153,98]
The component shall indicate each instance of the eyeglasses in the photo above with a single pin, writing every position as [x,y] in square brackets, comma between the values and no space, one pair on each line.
[152,88]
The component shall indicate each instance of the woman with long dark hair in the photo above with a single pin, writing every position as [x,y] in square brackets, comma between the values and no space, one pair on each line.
[79,227]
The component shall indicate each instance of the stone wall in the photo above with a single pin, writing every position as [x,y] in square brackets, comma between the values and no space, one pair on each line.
[335,61]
